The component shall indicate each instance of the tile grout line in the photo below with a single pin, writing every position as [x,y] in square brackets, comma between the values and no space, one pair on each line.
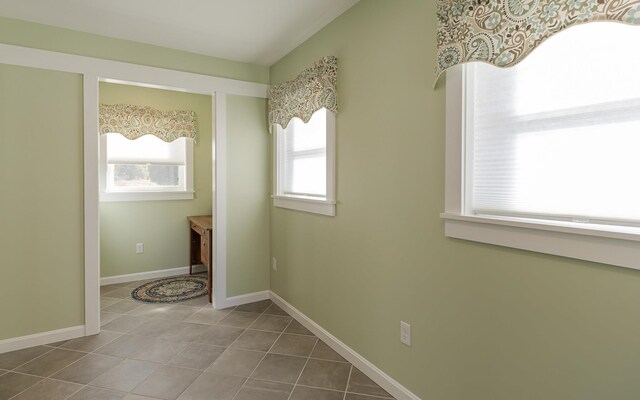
[265,354]
[348,381]
[303,368]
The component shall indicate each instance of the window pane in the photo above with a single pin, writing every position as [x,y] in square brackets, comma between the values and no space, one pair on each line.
[555,135]
[308,176]
[146,175]
[303,157]
[596,180]
[147,149]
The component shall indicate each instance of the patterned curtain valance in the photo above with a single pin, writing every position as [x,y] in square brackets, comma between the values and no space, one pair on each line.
[133,122]
[504,32]
[313,89]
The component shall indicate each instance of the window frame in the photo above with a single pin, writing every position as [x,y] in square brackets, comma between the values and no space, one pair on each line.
[325,207]
[614,245]
[147,194]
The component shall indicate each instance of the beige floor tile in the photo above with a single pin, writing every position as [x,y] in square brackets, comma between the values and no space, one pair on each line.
[207,315]
[107,301]
[199,302]
[324,352]
[197,356]
[94,393]
[87,369]
[309,393]
[294,345]
[213,387]
[90,343]
[239,319]
[275,310]
[186,332]
[124,324]
[11,384]
[255,389]
[275,323]
[106,317]
[256,340]
[150,310]
[50,390]
[154,327]
[132,396]
[125,376]
[51,362]
[178,313]
[107,289]
[143,348]
[237,362]
[122,307]
[325,374]
[362,384]
[296,327]
[219,335]
[14,359]
[167,382]
[353,396]
[117,293]
[280,368]
[257,307]
[57,344]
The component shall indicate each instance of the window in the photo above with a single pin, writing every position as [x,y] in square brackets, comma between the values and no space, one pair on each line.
[146,168]
[550,145]
[304,163]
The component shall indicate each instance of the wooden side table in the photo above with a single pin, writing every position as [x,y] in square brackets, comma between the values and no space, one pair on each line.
[200,248]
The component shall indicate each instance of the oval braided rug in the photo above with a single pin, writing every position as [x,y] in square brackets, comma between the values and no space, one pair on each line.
[171,290]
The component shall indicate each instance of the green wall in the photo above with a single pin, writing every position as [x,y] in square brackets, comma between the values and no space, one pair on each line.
[41,204]
[161,225]
[41,214]
[487,322]
[247,196]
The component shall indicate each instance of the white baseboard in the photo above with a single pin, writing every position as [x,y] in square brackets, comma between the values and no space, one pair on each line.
[161,273]
[38,339]
[385,381]
[244,299]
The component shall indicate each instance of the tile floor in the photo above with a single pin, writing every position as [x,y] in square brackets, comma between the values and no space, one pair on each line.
[185,351]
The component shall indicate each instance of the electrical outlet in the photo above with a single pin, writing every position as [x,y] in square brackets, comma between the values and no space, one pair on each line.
[139,248]
[274,263]
[405,333]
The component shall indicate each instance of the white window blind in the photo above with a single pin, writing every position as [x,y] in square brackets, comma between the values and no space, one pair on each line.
[146,164]
[304,157]
[558,136]
[146,149]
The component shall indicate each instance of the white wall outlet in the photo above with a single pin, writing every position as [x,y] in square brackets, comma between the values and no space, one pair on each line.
[405,333]
[139,248]
[274,263]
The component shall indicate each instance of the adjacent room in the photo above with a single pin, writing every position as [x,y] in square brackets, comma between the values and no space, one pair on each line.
[319,199]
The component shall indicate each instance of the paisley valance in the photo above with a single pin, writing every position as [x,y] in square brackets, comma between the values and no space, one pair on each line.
[313,89]
[133,122]
[504,32]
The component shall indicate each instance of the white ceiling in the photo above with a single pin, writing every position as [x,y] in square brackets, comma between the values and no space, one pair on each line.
[253,31]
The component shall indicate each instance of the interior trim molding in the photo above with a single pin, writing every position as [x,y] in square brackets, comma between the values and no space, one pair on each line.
[245,299]
[38,339]
[160,273]
[376,374]
[122,72]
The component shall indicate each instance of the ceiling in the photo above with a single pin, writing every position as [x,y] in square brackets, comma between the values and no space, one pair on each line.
[253,31]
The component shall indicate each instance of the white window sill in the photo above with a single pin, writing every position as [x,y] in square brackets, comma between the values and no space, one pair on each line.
[144,196]
[604,244]
[307,205]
